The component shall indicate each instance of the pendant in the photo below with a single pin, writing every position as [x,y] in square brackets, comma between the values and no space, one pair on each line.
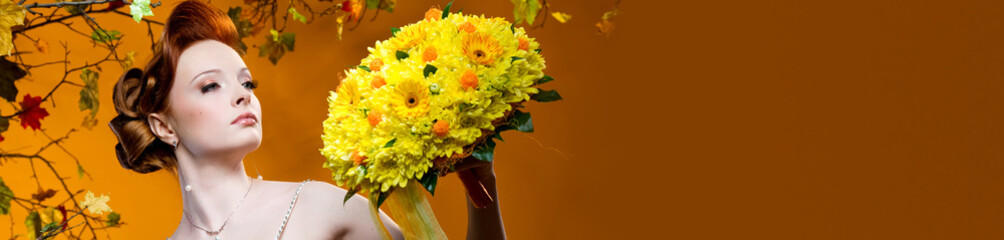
[217,237]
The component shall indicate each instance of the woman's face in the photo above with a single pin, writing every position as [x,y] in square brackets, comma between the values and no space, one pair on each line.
[213,108]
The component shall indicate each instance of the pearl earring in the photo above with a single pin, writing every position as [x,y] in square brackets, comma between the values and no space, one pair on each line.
[188,188]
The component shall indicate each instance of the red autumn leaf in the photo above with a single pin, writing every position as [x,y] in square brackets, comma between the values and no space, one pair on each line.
[31,112]
[63,211]
[115,4]
[347,6]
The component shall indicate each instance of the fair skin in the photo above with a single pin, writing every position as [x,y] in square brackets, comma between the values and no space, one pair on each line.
[212,87]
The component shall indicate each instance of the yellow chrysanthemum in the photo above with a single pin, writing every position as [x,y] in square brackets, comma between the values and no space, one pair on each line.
[410,98]
[429,92]
[481,48]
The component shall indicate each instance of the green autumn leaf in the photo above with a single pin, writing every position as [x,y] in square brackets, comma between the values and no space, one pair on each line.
[34,224]
[244,26]
[113,219]
[89,94]
[429,181]
[296,15]
[546,96]
[485,151]
[6,195]
[11,15]
[140,8]
[102,36]
[276,45]
[9,72]
[4,124]
[525,11]
[523,121]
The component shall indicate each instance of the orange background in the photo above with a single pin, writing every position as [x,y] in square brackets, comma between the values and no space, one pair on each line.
[694,120]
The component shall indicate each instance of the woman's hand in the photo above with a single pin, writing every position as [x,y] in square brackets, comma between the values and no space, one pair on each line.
[484,222]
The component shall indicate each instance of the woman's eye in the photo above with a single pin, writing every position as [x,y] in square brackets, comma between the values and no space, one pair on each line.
[210,87]
[250,84]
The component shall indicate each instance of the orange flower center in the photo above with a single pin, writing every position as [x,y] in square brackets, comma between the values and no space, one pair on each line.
[376,64]
[469,80]
[467,27]
[357,157]
[433,14]
[441,128]
[429,54]
[524,44]
[374,117]
[378,82]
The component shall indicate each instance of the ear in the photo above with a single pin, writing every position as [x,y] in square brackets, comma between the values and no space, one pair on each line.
[161,128]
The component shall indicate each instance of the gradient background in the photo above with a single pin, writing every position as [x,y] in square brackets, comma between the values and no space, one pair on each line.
[694,120]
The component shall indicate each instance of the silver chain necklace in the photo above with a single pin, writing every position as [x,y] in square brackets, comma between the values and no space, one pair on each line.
[216,233]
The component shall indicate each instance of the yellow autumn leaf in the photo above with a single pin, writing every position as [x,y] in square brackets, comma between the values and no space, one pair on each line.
[561,17]
[96,205]
[606,24]
[11,15]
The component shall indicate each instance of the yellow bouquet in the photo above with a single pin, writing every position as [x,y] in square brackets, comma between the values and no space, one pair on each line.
[435,93]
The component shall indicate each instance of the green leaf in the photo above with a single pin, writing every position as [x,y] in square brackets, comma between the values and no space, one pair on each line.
[288,40]
[446,11]
[429,69]
[401,55]
[538,50]
[113,219]
[349,195]
[4,124]
[244,26]
[140,8]
[89,93]
[525,11]
[102,36]
[9,72]
[296,15]
[546,96]
[429,180]
[276,45]
[394,31]
[363,67]
[33,223]
[390,143]
[485,151]
[49,227]
[80,171]
[523,121]
[372,4]
[514,59]
[545,79]
[6,195]
[498,135]
[512,27]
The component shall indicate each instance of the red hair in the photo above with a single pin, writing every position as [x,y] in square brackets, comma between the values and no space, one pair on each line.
[138,93]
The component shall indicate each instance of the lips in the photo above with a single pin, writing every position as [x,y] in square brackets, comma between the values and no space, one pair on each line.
[246,119]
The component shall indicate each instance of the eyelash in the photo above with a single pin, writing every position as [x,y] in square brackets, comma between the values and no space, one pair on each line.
[213,86]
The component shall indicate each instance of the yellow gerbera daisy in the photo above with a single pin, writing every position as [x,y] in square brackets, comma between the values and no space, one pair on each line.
[410,98]
[407,38]
[481,48]
[346,98]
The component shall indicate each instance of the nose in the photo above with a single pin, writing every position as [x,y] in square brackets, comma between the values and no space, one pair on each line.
[243,97]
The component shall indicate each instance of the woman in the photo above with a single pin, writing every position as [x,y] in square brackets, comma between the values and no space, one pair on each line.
[193,111]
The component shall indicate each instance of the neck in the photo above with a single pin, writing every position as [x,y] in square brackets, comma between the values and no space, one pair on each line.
[218,183]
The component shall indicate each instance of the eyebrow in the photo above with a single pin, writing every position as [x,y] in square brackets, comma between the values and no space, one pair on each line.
[205,72]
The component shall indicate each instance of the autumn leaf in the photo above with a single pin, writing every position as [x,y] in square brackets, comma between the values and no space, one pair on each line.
[34,224]
[89,94]
[140,8]
[96,205]
[89,122]
[606,24]
[11,15]
[41,195]
[244,27]
[9,72]
[276,45]
[103,36]
[128,61]
[296,15]
[561,17]
[525,11]
[32,113]
[113,219]
[115,4]
[5,197]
